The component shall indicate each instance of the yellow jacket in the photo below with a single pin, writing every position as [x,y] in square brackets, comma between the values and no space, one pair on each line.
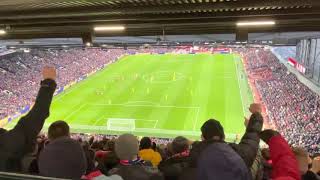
[150,155]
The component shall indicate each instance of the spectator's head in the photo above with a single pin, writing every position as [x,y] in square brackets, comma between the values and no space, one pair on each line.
[145,143]
[220,161]
[109,146]
[302,158]
[127,147]
[63,158]
[179,145]
[212,129]
[58,129]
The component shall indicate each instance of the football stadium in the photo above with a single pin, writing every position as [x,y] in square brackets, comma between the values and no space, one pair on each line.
[159,90]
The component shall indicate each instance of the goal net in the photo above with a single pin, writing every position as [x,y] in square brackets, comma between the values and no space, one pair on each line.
[121,124]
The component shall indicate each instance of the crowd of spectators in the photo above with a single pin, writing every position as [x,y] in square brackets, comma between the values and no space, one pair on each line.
[291,106]
[19,72]
[61,154]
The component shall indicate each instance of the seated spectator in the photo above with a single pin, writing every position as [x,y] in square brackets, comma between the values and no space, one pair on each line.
[131,167]
[15,143]
[63,157]
[174,165]
[147,153]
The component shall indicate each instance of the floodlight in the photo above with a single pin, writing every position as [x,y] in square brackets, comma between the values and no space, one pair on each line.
[2,32]
[256,23]
[109,28]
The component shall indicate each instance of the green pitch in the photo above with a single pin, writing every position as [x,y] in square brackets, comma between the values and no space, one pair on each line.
[158,95]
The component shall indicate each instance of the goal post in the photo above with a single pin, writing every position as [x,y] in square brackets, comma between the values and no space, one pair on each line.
[121,124]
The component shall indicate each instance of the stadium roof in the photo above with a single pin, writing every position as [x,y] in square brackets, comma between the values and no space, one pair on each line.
[76,18]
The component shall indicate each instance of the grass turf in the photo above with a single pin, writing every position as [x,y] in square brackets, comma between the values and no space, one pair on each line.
[164,95]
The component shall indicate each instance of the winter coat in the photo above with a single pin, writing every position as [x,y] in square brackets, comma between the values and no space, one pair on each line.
[247,148]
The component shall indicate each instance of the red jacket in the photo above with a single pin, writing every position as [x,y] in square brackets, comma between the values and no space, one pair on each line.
[284,163]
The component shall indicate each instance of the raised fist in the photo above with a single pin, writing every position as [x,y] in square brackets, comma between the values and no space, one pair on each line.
[255,107]
[49,73]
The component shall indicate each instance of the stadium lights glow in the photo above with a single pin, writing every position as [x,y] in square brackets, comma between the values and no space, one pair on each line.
[88,44]
[2,32]
[256,23]
[109,28]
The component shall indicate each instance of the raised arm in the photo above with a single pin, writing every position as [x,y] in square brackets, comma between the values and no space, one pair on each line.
[249,144]
[29,126]
[284,163]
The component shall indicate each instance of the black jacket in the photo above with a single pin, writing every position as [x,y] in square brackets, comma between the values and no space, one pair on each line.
[14,144]
[247,148]
[173,167]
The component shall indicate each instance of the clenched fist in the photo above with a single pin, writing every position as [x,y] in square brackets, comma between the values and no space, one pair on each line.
[49,73]
[255,107]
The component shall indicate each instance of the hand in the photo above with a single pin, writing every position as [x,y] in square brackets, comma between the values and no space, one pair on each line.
[49,73]
[255,107]
[316,165]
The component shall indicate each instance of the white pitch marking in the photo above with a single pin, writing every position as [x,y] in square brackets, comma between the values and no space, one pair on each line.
[155,125]
[137,105]
[243,111]
[78,109]
[197,118]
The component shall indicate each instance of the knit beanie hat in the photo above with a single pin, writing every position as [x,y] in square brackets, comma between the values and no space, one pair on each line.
[126,147]
[212,129]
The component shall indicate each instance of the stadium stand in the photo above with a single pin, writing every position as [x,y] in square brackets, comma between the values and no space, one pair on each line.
[291,108]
